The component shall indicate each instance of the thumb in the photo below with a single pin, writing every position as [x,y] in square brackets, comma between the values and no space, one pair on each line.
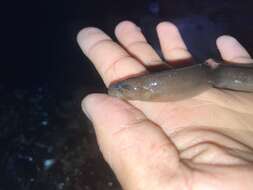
[138,151]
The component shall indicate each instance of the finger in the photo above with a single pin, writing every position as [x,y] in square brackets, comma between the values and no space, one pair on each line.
[111,61]
[172,44]
[136,149]
[131,37]
[231,50]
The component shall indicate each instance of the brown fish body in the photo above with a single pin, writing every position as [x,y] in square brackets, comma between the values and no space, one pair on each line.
[237,77]
[169,85]
[182,83]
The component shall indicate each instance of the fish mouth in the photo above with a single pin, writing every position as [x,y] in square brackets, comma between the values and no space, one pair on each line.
[121,90]
[115,90]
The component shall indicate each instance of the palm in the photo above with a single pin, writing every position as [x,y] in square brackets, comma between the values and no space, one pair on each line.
[202,115]
[200,136]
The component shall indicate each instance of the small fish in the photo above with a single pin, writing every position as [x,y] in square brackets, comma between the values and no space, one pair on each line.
[183,83]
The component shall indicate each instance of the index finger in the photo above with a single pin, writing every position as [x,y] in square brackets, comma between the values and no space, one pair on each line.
[110,59]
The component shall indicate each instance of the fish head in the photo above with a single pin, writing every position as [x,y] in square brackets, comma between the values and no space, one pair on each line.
[127,90]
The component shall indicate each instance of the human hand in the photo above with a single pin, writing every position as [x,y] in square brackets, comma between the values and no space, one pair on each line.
[205,142]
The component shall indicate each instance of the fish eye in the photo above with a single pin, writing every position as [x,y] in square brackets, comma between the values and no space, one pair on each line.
[119,86]
[125,86]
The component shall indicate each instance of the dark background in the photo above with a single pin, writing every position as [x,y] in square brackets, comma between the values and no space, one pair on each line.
[45,140]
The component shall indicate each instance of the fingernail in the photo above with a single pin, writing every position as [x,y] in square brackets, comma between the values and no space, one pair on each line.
[84,108]
[86,113]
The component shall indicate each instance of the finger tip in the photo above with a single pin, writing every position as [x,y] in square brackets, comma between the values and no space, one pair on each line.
[125,26]
[125,23]
[85,32]
[232,50]
[165,26]
[90,101]
[89,36]
[223,38]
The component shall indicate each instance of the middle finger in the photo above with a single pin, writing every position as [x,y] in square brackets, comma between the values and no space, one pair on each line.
[131,37]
